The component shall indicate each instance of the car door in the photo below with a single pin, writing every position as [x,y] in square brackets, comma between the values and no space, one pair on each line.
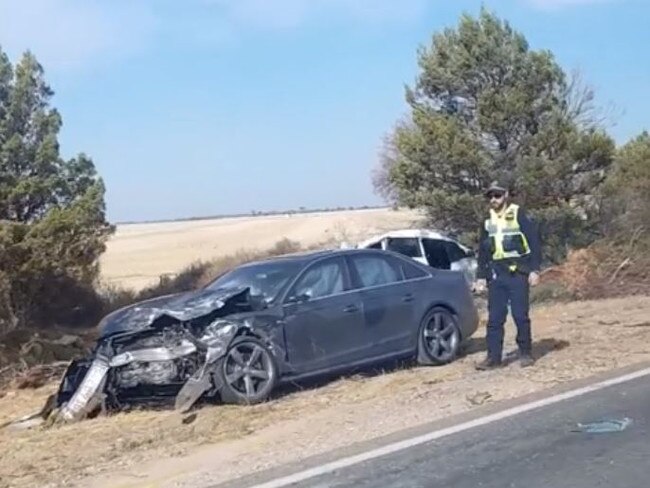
[388,301]
[324,324]
[461,260]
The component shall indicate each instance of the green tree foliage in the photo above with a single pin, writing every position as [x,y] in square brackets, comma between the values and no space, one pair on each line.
[52,215]
[627,189]
[486,106]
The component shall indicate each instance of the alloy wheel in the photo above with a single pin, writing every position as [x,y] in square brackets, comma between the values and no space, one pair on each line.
[441,337]
[248,369]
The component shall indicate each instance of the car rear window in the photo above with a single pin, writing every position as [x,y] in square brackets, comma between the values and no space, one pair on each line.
[411,271]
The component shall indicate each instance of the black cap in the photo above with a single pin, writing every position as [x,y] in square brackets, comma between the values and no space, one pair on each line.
[497,186]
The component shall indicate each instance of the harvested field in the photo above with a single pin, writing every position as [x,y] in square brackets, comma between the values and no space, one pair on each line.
[159,449]
[138,254]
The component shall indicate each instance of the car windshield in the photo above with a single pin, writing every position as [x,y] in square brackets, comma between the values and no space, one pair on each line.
[265,280]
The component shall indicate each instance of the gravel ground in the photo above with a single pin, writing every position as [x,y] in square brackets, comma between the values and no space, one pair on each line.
[155,449]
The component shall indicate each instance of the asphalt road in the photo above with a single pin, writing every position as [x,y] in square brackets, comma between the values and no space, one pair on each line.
[534,449]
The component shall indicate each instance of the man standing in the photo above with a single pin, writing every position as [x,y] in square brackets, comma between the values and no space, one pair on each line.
[509,259]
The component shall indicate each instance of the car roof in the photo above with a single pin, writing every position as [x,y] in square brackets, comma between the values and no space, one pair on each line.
[409,233]
[306,257]
[303,256]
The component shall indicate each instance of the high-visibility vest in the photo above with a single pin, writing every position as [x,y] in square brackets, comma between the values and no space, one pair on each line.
[507,241]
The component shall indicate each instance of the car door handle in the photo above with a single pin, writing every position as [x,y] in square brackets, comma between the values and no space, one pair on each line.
[351,308]
[407,298]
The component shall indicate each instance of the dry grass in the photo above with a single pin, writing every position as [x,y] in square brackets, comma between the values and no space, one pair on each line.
[139,253]
[138,446]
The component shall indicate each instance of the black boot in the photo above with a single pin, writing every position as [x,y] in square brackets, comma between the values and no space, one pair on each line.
[488,364]
[526,360]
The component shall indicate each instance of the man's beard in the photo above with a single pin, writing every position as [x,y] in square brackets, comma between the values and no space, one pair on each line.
[497,207]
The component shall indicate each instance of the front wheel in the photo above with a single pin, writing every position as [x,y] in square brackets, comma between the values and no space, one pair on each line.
[439,338]
[248,372]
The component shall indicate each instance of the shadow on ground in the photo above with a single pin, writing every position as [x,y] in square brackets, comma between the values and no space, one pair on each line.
[326,379]
[473,346]
[541,348]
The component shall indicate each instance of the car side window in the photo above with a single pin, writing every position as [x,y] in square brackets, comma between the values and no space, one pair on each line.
[376,270]
[321,280]
[436,253]
[407,246]
[455,252]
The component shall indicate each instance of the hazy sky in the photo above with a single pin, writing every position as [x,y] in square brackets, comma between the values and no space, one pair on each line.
[200,107]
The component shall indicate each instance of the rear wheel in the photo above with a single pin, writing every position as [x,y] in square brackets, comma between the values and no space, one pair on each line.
[439,338]
[248,372]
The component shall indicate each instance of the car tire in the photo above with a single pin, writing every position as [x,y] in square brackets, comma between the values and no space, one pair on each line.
[242,379]
[439,338]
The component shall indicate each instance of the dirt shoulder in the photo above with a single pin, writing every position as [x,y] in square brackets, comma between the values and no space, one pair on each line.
[157,449]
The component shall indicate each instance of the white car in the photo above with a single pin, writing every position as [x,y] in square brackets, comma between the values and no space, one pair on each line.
[428,247]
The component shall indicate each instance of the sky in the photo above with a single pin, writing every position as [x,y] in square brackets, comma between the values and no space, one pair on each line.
[204,107]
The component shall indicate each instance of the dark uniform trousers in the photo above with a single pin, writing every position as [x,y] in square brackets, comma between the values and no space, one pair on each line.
[508,288]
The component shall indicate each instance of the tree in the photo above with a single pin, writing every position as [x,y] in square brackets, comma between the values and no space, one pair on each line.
[486,106]
[627,188]
[52,213]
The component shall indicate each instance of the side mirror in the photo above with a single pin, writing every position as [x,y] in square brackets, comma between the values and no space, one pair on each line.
[304,297]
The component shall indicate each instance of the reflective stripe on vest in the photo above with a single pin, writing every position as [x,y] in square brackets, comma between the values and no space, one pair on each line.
[506,239]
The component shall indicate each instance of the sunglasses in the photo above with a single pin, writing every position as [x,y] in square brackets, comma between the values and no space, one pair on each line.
[495,196]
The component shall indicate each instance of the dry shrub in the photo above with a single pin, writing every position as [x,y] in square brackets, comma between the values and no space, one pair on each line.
[550,292]
[578,270]
[284,246]
[606,269]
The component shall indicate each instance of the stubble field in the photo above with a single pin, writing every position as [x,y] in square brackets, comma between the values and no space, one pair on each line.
[137,254]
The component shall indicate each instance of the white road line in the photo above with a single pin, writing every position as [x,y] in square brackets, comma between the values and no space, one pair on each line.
[424,438]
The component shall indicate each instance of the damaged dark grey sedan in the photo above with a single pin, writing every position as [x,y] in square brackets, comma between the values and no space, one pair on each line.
[269,322]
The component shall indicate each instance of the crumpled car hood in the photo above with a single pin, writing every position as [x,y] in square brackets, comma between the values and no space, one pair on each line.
[181,306]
